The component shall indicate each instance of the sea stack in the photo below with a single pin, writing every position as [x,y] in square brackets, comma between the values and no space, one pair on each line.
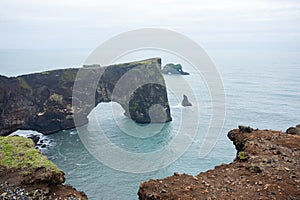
[185,102]
[174,69]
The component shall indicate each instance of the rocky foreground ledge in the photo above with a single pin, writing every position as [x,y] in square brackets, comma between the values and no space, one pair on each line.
[26,174]
[267,166]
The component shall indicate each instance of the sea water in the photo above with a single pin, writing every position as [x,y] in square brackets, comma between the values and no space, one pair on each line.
[261,89]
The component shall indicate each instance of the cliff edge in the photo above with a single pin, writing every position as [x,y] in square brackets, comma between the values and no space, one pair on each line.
[267,166]
[26,174]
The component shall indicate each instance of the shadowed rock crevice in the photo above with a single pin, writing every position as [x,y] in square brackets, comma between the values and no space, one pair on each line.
[50,101]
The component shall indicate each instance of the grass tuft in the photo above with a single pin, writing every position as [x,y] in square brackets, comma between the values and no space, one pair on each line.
[19,152]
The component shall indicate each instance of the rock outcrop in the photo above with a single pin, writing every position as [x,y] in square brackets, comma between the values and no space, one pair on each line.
[173,69]
[26,174]
[294,130]
[48,102]
[185,101]
[267,166]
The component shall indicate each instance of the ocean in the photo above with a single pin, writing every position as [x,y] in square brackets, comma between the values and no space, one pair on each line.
[261,90]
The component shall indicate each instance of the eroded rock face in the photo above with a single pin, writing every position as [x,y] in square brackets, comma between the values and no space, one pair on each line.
[267,166]
[47,103]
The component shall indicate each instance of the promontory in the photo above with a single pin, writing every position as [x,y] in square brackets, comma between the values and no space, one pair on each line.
[56,100]
[267,166]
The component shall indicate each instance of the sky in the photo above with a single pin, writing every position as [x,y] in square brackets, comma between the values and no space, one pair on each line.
[52,24]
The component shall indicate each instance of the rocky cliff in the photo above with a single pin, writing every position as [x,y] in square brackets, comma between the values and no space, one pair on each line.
[267,166]
[26,174]
[49,101]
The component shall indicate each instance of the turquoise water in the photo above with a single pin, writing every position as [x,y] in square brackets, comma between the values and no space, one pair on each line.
[262,90]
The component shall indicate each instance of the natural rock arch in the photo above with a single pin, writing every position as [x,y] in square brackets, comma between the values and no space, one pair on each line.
[50,101]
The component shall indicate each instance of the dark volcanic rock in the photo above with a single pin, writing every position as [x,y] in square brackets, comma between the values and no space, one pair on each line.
[267,166]
[245,129]
[49,101]
[294,130]
[173,69]
[34,138]
[185,102]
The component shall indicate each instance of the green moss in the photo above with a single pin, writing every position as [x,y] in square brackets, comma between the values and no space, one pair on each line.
[152,72]
[142,62]
[254,168]
[133,105]
[145,62]
[56,97]
[24,84]
[243,156]
[91,65]
[45,73]
[68,75]
[27,173]
[19,152]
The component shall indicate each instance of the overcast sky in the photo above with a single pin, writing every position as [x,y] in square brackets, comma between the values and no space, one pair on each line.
[87,23]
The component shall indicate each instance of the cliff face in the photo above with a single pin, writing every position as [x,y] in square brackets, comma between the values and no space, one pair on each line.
[26,174]
[267,166]
[48,101]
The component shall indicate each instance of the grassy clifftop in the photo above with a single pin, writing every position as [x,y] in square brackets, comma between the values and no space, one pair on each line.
[27,174]
[19,152]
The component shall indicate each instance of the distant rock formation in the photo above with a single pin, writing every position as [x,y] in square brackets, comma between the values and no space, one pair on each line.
[245,129]
[26,174]
[46,102]
[267,166]
[294,130]
[185,102]
[173,69]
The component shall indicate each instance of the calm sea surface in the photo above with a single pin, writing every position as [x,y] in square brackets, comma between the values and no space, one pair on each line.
[262,90]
